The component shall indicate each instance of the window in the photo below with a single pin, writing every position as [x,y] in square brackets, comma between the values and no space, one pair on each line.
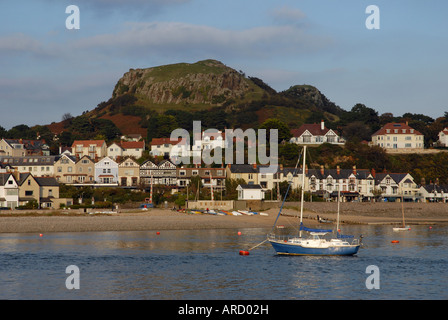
[29,193]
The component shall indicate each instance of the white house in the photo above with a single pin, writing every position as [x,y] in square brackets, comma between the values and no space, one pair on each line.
[9,191]
[398,136]
[39,166]
[106,171]
[315,134]
[443,138]
[133,148]
[434,193]
[353,184]
[250,192]
[393,186]
[162,146]
[115,151]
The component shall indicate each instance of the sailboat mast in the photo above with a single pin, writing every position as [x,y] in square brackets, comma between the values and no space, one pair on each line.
[339,194]
[303,187]
[402,209]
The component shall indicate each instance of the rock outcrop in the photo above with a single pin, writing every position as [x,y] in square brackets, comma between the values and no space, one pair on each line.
[203,82]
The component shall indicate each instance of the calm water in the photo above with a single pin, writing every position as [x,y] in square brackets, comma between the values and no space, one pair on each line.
[206,264]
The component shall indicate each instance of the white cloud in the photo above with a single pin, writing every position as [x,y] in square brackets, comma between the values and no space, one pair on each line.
[287,14]
[164,38]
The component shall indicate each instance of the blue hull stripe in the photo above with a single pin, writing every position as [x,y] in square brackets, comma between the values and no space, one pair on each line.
[290,249]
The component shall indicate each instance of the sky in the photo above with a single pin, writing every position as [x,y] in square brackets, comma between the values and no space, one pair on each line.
[47,70]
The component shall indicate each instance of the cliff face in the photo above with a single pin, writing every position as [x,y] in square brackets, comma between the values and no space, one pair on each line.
[314,96]
[204,82]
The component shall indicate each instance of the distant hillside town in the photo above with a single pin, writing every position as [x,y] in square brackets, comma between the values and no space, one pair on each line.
[29,173]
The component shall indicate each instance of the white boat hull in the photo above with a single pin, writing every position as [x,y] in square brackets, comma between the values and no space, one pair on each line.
[402,229]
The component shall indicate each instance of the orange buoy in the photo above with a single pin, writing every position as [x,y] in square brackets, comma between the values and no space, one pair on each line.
[239,233]
[244,253]
[41,235]
[395,241]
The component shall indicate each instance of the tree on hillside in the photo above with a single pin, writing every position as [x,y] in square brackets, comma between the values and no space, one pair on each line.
[22,131]
[284,133]
[161,126]
[357,131]
[3,132]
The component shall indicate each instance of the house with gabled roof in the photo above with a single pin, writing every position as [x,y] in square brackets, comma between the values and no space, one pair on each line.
[315,134]
[65,169]
[395,186]
[443,138]
[106,172]
[129,173]
[84,171]
[9,191]
[164,173]
[43,190]
[352,184]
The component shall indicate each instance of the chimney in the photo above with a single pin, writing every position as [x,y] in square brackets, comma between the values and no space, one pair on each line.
[354,169]
[281,167]
[322,170]
[322,125]
[338,170]
[16,174]
[254,165]
[373,173]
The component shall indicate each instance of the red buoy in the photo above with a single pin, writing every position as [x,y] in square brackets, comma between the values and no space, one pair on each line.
[244,253]
[157,232]
[395,241]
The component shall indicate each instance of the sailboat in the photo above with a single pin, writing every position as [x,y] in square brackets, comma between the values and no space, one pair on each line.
[315,244]
[404,227]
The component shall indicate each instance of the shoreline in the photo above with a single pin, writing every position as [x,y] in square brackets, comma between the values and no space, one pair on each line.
[43,221]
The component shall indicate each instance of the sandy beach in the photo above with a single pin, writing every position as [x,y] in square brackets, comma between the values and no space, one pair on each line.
[165,219]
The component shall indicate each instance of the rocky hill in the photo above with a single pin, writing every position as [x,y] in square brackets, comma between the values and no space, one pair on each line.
[207,90]
[314,96]
[207,83]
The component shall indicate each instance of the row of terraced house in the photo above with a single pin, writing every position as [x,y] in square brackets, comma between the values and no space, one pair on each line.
[94,163]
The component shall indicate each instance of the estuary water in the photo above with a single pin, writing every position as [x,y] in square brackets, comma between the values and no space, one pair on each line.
[206,265]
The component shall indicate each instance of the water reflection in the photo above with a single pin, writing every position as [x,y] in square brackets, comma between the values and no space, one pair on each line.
[205,264]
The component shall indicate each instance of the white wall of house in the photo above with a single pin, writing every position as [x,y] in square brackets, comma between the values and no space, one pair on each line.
[106,171]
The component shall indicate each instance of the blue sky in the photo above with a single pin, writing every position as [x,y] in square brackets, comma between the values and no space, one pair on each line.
[47,70]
